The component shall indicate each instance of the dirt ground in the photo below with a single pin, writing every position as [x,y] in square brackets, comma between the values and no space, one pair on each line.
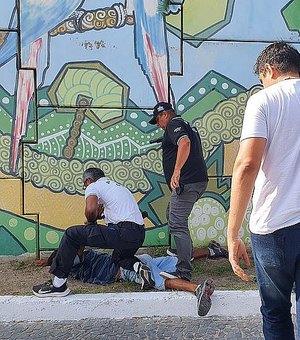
[18,276]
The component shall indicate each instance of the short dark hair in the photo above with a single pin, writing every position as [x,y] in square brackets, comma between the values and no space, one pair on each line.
[93,173]
[280,55]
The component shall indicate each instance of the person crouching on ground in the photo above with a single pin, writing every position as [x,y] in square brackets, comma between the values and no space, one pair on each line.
[124,233]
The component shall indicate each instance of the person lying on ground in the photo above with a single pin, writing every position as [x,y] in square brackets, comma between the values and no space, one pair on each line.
[99,268]
[213,251]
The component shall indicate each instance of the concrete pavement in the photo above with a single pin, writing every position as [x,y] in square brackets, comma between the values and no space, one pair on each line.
[145,315]
[136,328]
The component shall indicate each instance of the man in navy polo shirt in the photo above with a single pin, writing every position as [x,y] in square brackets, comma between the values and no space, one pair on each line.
[186,175]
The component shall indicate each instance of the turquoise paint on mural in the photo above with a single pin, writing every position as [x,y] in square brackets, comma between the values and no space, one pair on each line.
[9,244]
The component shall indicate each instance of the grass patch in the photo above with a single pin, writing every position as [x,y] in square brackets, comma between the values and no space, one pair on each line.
[212,267]
[154,251]
[19,275]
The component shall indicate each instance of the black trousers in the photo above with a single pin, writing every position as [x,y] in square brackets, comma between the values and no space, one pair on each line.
[125,238]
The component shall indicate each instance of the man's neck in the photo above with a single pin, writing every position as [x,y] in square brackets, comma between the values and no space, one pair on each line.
[288,76]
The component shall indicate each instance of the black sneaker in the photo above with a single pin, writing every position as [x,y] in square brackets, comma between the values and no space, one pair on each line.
[203,293]
[172,275]
[216,250]
[173,252]
[47,290]
[145,276]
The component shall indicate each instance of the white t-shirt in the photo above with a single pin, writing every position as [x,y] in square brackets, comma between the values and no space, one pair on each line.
[274,113]
[119,204]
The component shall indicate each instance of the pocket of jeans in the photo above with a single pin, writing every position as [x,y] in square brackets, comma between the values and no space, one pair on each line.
[269,249]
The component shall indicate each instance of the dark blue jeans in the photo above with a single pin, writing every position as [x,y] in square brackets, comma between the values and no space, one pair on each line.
[125,238]
[277,265]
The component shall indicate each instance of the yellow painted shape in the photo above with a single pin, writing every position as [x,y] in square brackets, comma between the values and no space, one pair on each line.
[4,175]
[10,195]
[199,15]
[148,223]
[160,204]
[56,209]
[59,210]
[230,153]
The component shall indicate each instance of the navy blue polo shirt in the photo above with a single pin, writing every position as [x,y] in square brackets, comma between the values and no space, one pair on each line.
[194,169]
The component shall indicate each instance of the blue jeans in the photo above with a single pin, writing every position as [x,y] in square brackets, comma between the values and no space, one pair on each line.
[156,265]
[277,265]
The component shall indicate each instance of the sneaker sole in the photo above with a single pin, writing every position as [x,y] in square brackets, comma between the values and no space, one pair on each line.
[170,253]
[166,275]
[204,305]
[204,300]
[175,255]
[56,294]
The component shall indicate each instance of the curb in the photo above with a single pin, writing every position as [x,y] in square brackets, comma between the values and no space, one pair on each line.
[126,305]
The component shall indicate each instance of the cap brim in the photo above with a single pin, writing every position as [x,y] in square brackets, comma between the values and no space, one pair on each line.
[152,121]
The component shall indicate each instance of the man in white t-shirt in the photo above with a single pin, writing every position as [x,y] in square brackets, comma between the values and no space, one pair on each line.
[269,161]
[124,233]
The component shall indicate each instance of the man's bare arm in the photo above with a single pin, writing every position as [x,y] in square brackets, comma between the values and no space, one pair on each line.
[183,152]
[91,208]
[243,178]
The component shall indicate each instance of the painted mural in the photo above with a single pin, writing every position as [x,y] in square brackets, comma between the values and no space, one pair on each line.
[77,84]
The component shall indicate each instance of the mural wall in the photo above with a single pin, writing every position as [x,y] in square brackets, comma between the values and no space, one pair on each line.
[77,84]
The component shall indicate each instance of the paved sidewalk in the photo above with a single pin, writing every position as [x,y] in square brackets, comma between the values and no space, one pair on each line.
[147,315]
[155,328]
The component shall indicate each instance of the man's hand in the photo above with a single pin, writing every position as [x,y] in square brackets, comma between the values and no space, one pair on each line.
[175,179]
[41,262]
[237,250]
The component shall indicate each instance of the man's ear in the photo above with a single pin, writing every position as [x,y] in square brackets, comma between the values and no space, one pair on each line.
[271,71]
[267,69]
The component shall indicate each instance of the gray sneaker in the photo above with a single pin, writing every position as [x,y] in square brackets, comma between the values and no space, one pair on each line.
[216,251]
[145,276]
[173,252]
[203,293]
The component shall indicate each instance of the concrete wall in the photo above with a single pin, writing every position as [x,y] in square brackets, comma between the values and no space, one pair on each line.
[77,90]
